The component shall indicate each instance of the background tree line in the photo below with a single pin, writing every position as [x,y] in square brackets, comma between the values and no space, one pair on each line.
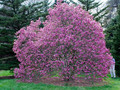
[112,31]
[15,14]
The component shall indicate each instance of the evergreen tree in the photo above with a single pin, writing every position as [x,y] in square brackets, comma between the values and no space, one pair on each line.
[110,31]
[14,15]
[116,48]
[112,11]
[113,38]
[63,1]
[55,2]
[89,5]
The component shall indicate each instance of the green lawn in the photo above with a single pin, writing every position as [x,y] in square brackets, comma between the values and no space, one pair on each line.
[5,73]
[11,84]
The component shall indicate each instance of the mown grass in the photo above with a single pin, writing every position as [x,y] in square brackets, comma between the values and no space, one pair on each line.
[11,84]
[6,73]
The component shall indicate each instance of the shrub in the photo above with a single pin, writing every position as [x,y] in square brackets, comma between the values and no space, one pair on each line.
[70,42]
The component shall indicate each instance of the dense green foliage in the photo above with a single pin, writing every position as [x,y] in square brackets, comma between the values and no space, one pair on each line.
[113,40]
[109,32]
[15,14]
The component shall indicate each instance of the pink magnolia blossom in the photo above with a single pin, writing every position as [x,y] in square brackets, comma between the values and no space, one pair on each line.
[70,42]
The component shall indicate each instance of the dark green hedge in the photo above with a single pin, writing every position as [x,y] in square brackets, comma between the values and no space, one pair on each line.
[8,63]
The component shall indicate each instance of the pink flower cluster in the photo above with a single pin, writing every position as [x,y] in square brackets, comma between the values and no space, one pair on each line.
[70,43]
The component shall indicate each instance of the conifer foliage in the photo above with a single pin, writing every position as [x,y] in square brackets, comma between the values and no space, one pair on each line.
[14,14]
[113,40]
[89,5]
[70,42]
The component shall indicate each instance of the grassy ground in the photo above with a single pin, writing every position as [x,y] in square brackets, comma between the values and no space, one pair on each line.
[11,84]
[6,73]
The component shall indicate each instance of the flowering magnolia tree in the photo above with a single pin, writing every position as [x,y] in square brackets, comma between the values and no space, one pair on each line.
[70,42]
